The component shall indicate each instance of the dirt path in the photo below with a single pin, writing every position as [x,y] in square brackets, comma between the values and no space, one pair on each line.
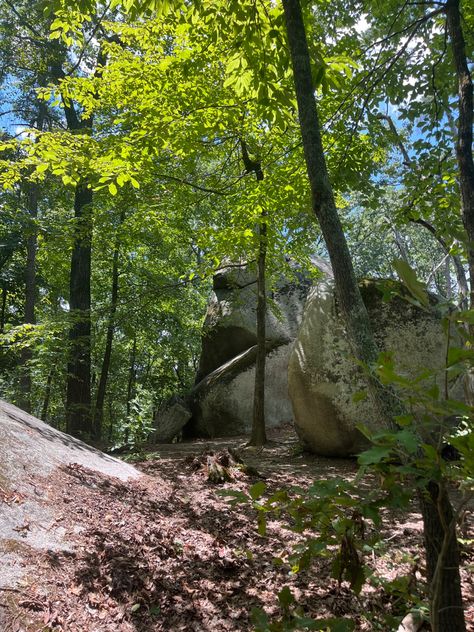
[165,552]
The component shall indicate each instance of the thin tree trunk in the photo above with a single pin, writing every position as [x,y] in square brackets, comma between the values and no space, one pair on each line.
[104,373]
[30,294]
[324,207]
[465,123]
[32,195]
[449,604]
[78,392]
[442,560]
[131,383]
[460,274]
[47,396]
[258,436]
[4,307]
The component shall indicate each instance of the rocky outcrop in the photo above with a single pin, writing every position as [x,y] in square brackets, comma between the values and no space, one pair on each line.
[324,377]
[170,420]
[222,403]
[222,399]
[32,452]
[230,326]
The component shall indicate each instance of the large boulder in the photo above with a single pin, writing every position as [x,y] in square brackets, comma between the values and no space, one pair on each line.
[230,325]
[324,377]
[222,399]
[222,403]
[31,524]
[170,420]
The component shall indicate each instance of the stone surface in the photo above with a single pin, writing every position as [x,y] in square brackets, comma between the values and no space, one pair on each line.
[230,324]
[29,449]
[170,421]
[222,400]
[222,403]
[323,376]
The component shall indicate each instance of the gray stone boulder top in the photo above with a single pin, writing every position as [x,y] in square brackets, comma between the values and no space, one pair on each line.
[29,446]
[230,323]
[31,451]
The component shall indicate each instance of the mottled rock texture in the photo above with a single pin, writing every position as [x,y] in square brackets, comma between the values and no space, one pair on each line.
[222,399]
[324,377]
[170,421]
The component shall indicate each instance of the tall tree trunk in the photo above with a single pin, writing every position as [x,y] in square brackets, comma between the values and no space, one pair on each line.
[4,306]
[435,514]
[32,196]
[30,293]
[465,123]
[78,392]
[104,373]
[442,560]
[459,269]
[47,396]
[131,383]
[258,436]
[79,420]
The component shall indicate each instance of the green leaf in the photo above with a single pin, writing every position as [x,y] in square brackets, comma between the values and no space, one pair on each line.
[374,455]
[113,188]
[408,277]
[257,490]
[285,598]
[359,396]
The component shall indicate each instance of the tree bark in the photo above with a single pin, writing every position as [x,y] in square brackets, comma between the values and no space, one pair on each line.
[442,560]
[460,274]
[352,307]
[32,196]
[4,307]
[78,393]
[258,436]
[104,373]
[47,396]
[324,207]
[465,135]
[131,383]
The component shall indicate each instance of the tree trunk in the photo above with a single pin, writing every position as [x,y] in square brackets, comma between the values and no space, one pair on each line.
[47,396]
[460,274]
[442,560]
[324,207]
[4,307]
[352,307]
[78,394]
[465,123]
[32,195]
[30,294]
[104,373]
[258,436]
[131,383]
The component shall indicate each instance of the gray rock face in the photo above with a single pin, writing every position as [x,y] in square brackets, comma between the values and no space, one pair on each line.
[323,376]
[222,400]
[170,421]
[31,450]
[222,403]
[230,326]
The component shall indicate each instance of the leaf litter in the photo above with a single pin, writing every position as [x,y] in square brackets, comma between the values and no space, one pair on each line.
[166,552]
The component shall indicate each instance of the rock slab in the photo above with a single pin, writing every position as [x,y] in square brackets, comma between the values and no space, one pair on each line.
[30,449]
[324,379]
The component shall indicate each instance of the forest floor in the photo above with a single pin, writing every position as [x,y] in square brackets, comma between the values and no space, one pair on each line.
[167,552]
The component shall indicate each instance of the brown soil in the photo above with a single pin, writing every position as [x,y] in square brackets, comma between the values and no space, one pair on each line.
[166,552]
